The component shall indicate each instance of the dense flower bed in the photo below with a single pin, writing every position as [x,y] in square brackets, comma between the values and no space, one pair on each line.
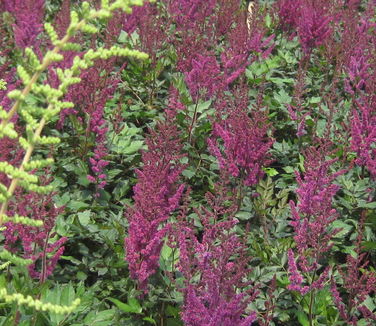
[220,173]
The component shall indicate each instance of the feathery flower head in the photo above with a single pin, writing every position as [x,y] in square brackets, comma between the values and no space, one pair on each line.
[156,195]
[245,144]
[29,20]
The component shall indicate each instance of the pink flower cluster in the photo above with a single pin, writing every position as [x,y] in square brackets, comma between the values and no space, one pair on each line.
[37,242]
[156,195]
[215,268]
[29,15]
[204,78]
[245,143]
[312,217]
[357,282]
[310,19]
[360,83]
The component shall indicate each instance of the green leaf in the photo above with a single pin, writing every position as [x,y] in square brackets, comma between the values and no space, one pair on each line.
[345,228]
[84,217]
[302,317]
[101,318]
[81,276]
[270,171]
[363,204]
[282,97]
[314,100]
[135,304]
[281,81]
[123,37]
[67,295]
[369,245]
[268,21]
[127,308]
[133,147]
[203,106]
[83,181]
[150,320]
[76,205]
[188,173]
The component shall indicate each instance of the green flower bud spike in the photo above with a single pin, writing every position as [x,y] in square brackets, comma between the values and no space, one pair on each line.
[35,117]
[67,77]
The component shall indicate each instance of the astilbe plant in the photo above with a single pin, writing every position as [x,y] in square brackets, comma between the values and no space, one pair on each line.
[194,32]
[156,195]
[243,134]
[313,27]
[211,76]
[311,20]
[204,79]
[363,136]
[28,15]
[153,31]
[197,36]
[312,218]
[90,96]
[287,12]
[35,240]
[215,266]
[360,68]
[227,13]
[348,39]
[357,282]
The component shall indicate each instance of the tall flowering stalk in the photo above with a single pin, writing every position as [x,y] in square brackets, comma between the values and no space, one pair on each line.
[156,195]
[311,220]
[215,268]
[204,79]
[245,144]
[90,96]
[363,135]
[358,284]
[310,19]
[360,84]
[313,28]
[35,240]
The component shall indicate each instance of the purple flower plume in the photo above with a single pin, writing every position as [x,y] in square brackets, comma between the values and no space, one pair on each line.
[156,195]
[313,27]
[309,19]
[28,15]
[245,144]
[38,243]
[360,84]
[312,217]
[204,78]
[215,269]
[358,282]
[363,136]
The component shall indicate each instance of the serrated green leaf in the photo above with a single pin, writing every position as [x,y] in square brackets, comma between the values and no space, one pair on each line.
[345,228]
[271,172]
[84,217]
[134,147]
